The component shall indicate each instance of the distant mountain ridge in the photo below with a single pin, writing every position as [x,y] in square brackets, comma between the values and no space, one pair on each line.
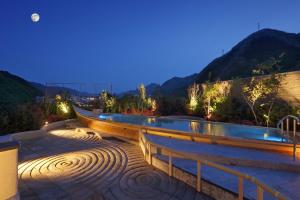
[14,89]
[54,90]
[256,49]
[150,89]
[177,85]
[173,86]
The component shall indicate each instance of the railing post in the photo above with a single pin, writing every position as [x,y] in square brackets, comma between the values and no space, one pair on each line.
[260,193]
[145,151]
[198,176]
[295,142]
[170,165]
[241,188]
[282,131]
[150,155]
[287,127]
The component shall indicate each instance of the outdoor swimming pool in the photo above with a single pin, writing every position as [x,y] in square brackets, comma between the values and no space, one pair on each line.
[200,127]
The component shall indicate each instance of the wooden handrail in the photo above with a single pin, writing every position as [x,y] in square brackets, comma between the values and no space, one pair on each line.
[296,122]
[171,153]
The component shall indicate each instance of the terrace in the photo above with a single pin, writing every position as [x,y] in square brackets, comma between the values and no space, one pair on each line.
[67,164]
[98,159]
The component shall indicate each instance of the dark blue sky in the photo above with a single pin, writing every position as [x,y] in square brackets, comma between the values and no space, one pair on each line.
[127,42]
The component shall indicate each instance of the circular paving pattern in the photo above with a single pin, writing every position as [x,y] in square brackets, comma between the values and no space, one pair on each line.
[71,165]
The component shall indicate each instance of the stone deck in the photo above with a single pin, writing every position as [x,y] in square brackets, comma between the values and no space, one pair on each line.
[65,164]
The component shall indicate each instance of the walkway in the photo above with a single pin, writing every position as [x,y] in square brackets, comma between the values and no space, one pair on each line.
[284,181]
[70,165]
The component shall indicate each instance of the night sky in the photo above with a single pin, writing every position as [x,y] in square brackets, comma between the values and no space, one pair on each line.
[126,42]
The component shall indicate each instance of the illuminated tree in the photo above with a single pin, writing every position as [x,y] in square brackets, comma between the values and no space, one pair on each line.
[142,97]
[151,104]
[193,94]
[142,92]
[108,102]
[272,84]
[260,93]
[213,94]
[62,104]
[252,91]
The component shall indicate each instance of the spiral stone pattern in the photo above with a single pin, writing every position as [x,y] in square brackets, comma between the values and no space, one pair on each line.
[71,165]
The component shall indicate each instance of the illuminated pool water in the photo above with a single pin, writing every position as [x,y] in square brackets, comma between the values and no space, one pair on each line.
[200,127]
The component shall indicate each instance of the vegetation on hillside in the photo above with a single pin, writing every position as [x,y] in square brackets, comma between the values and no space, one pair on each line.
[20,110]
[14,89]
[128,104]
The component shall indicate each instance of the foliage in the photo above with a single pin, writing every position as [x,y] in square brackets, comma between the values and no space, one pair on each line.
[22,117]
[171,106]
[260,95]
[193,95]
[59,108]
[18,110]
[142,92]
[213,95]
[15,90]
[108,102]
[130,104]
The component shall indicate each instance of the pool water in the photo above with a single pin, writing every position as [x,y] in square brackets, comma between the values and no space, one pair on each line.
[200,127]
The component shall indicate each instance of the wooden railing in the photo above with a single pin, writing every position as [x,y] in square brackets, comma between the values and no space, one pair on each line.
[148,146]
[296,122]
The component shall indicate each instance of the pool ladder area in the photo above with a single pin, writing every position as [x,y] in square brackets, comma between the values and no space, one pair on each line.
[287,122]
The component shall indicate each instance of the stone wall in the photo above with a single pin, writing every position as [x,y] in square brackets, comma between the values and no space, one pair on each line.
[9,170]
[289,90]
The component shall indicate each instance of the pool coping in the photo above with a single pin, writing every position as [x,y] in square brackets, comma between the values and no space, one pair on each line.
[131,131]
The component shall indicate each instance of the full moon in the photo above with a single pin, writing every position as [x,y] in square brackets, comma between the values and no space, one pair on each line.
[35,17]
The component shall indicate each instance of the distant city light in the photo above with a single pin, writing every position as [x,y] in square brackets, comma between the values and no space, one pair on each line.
[35,17]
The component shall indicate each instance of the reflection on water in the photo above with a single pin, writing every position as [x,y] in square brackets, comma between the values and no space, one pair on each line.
[151,120]
[200,127]
[194,126]
[209,132]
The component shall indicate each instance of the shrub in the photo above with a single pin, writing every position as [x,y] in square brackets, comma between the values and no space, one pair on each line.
[22,117]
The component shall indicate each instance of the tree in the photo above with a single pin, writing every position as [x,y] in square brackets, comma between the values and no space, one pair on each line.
[272,84]
[194,95]
[213,95]
[261,92]
[142,92]
[108,101]
[252,91]
[142,97]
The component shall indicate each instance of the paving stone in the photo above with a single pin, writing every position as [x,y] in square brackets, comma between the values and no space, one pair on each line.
[73,165]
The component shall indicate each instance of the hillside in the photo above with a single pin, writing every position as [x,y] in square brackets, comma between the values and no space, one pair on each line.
[54,90]
[14,89]
[277,49]
[262,47]
[174,86]
[177,85]
[151,89]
